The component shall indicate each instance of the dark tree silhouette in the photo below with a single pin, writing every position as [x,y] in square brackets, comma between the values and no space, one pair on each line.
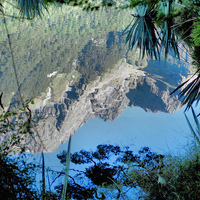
[109,166]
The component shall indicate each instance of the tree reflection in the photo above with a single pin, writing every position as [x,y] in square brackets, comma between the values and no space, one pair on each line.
[108,171]
[116,173]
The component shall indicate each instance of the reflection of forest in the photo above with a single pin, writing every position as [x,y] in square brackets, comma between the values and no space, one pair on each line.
[53,43]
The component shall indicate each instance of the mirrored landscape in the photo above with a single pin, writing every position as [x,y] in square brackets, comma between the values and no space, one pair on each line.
[84,85]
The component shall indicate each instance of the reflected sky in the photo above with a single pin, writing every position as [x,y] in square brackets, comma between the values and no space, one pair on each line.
[164,133]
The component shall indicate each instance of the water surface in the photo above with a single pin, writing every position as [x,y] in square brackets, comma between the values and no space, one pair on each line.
[76,68]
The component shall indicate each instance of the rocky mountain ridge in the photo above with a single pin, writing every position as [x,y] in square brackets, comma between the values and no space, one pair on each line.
[106,98]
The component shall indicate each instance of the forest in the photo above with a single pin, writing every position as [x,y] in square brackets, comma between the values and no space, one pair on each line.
[62,29]
[156,28]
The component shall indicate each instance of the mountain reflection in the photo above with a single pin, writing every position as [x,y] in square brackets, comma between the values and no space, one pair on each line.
[152,95]
[105,97]
[81,71]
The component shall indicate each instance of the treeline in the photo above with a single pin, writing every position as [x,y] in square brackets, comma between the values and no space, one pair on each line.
[52,44]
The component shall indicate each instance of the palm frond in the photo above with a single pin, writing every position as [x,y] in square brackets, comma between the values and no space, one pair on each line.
[191,92]
[191,87]
[142,33]
[167,36]
[31,8]
[196,133]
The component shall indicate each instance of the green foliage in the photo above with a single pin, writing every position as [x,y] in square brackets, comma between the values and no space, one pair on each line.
[31,8]
[184,23]
[16,179]
[14,126]
[158,177]
[143,33]
[167,35]
[181,175]
[149,38]
[196,33]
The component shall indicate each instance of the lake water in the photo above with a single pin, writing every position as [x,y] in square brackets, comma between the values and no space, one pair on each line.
[84,84]
[162,132]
